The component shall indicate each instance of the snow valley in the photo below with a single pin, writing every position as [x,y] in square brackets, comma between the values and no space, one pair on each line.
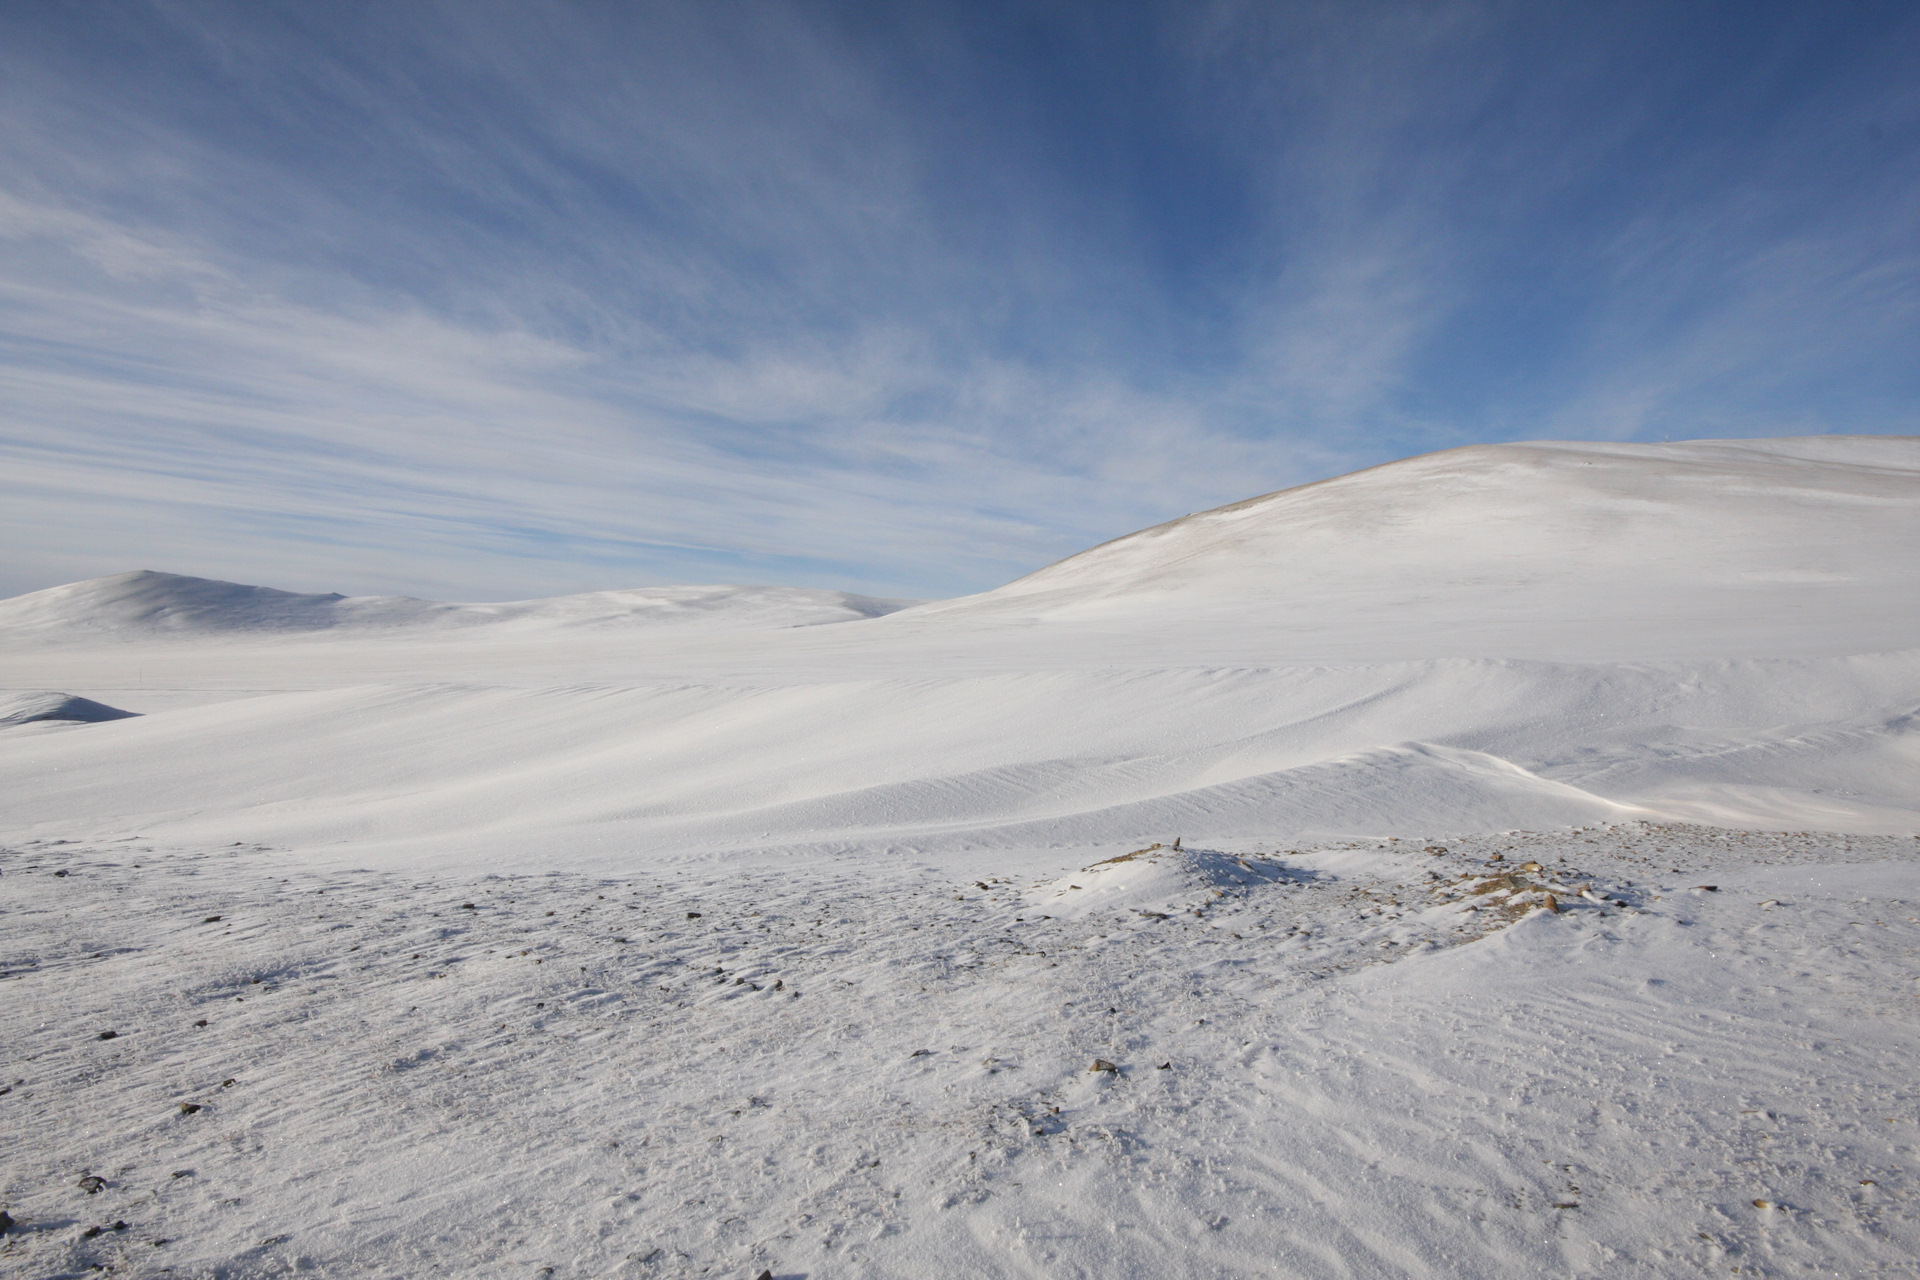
[1544,902]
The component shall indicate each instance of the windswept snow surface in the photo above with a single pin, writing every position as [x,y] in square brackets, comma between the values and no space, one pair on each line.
[1675,665]
[850,1067]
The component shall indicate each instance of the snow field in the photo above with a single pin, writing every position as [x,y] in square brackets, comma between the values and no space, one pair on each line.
[1382,1059]
[590,774]
[714,931]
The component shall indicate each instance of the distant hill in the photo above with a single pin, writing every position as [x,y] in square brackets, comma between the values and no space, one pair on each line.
[148,603]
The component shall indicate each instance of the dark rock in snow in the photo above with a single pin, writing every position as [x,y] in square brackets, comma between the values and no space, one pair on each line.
[1101,1064]
[92,1184]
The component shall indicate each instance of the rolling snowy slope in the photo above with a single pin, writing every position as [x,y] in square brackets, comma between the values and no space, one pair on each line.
[1117,696]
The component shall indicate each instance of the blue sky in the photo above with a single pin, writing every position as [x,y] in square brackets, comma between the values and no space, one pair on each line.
[486,300]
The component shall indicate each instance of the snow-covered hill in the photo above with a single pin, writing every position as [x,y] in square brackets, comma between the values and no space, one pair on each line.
[144,604]
[1794,545]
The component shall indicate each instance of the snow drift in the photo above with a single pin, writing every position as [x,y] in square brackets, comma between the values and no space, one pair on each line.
[52,706]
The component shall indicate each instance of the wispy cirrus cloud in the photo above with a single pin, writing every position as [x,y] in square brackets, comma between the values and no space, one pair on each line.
[485,300]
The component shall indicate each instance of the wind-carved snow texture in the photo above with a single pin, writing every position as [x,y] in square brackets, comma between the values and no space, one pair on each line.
[1370,1059]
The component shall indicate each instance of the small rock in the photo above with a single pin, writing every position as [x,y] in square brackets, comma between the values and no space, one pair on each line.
[6,1222]
[91,1232]
[468,906]
[92,1184]
[920,1053]
[228,1083]
[1165,1066]
[211,920]
[1101,1064]
[1552,904]
[1765,1204]
[188,1108]
[183,1173]
[1710,888]
[201,1023]
[693,915]
[1496,857]
[764,1275]
[109,1035]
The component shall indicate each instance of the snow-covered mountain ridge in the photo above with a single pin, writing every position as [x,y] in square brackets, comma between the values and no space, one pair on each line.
[148,603]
